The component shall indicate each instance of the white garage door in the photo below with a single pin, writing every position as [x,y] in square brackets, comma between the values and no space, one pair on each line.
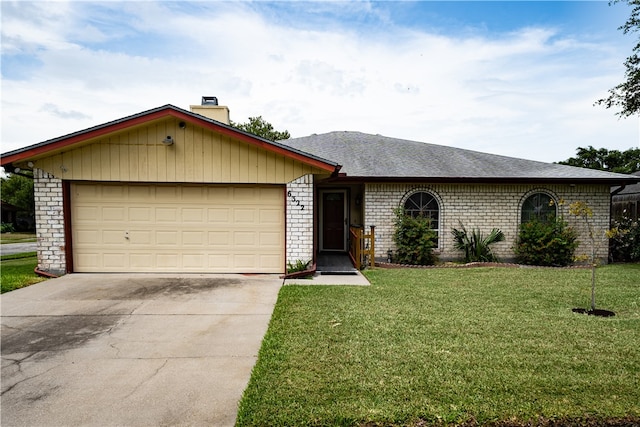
[177,228]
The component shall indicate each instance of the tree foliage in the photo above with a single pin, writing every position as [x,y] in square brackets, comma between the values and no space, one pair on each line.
[260,127]
[607,160]
[18,190]
[626,95]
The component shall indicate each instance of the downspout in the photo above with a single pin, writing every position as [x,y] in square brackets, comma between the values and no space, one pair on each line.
[46,274]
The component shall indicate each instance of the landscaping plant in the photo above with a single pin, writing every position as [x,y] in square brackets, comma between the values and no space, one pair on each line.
[546,243]
[414,239]
[625,244]
[582,210]
[476,246]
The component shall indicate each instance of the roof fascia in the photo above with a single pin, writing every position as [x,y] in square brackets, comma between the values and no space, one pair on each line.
[158,113]
[487,180]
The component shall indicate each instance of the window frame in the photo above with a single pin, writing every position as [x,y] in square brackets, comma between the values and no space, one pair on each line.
[435,198]
[544,213]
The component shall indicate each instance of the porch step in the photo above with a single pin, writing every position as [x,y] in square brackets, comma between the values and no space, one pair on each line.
[334,263]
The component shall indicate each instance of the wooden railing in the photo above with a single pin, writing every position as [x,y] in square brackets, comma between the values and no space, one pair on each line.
[362,245]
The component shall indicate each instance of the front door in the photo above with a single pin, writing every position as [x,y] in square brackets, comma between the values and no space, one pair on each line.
[334,220]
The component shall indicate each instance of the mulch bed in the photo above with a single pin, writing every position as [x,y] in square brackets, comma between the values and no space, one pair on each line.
[474,265]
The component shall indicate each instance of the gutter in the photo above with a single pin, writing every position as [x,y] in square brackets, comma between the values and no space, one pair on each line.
[622,187]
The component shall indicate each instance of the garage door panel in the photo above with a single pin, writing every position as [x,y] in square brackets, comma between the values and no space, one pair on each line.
[113,213]
[140,214]
[154,228]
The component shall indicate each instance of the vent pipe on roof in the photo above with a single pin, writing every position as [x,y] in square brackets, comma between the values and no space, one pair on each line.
[211,110]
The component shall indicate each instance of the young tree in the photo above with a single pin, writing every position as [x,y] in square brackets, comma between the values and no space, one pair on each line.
[597,237]
[260,127]
[626,95]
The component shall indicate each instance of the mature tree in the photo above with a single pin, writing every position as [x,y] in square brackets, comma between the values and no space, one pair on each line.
[18,190]
[607,160]
[262,128]
[626,95]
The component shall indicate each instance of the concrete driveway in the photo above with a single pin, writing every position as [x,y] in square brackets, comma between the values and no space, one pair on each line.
[134,350]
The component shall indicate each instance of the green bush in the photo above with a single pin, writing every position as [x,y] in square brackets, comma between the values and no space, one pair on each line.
[414,240]
[625,243]
[548,243]
[6,227]
[475,245]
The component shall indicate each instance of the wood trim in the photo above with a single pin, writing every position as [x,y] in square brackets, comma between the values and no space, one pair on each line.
[68,233]
[168,111]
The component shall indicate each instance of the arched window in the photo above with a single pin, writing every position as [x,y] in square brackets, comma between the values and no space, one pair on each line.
[423,204]
[538,207]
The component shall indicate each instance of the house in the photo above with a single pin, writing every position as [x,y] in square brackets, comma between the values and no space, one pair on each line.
[171,190]
[625,202]
[9,214]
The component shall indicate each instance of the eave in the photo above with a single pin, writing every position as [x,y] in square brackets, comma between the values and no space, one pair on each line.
[485,180]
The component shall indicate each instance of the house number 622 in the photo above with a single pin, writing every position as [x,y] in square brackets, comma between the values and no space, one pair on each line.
[294,200]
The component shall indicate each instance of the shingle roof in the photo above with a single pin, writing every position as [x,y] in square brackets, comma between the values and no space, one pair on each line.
[375,156]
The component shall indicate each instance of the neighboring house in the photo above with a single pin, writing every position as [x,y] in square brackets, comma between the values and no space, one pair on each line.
[625,202]
[9,214]
[170,190]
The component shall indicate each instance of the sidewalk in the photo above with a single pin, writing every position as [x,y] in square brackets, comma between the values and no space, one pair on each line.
[331,279]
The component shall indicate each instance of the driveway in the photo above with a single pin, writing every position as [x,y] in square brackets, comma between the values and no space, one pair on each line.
[135,350]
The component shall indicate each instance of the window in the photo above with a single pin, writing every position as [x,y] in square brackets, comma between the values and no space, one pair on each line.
[538,206]
[423,204]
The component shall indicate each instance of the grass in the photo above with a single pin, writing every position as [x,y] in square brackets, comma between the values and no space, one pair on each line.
[449,346]
[17,237]
[16,271]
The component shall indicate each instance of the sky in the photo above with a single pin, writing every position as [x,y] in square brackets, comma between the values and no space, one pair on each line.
[514,78]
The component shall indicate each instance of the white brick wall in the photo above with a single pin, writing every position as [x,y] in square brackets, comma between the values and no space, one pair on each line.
[480,205]
[49,222]
[300,219]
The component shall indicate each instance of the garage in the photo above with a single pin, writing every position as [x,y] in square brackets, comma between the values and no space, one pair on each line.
[172,191]
[177,228]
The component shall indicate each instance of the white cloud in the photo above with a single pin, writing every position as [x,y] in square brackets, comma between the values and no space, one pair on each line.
[525,94]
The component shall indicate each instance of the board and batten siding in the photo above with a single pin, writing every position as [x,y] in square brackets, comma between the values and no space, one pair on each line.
[198,155]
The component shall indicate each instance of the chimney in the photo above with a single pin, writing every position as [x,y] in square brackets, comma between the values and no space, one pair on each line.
[211,110]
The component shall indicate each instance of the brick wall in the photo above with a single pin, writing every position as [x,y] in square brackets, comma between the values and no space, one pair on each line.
[300,219]
[49,222]
[480,205]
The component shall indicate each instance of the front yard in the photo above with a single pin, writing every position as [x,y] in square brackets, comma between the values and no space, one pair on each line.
[451,346]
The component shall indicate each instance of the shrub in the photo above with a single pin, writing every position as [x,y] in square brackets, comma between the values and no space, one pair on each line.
[6,227]
[625,243]
[476,246]
[414,240]
[549,243]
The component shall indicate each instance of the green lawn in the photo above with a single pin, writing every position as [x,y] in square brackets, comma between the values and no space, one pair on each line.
[17,237]
[449,346]
[16,271]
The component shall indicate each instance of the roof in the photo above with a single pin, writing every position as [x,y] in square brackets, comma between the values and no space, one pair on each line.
[365,156]
[631,189]
[51,145]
